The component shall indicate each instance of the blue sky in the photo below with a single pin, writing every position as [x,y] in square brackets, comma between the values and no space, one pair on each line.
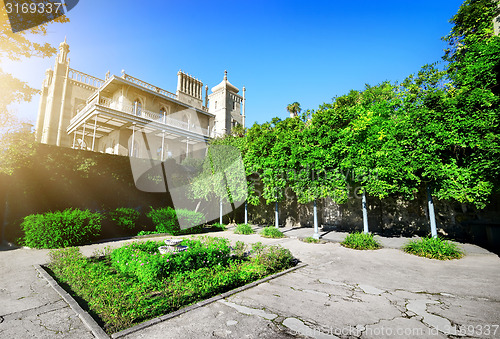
[281,51]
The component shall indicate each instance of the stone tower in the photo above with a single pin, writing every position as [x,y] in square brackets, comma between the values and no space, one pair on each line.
[51,107]
[226,105]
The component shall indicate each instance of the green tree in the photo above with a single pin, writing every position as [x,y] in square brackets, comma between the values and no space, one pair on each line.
[294,109]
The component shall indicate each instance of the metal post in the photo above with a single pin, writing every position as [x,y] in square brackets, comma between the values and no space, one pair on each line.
[220,210]
[246,212]
[95,127]
[365,212]
[316,233]
[432,216]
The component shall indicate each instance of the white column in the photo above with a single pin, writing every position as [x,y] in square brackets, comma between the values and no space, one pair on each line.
[95,127]
[365,212]
[316,234]
[162,145]
[432,217]
[133,141]
[83,135]
[246,212]
[74,139]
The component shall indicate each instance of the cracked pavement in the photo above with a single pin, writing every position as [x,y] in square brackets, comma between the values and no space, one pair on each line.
[341,293]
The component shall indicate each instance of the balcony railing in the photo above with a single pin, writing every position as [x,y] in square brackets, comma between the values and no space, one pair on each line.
[85,78]
[139,112]
[149,86]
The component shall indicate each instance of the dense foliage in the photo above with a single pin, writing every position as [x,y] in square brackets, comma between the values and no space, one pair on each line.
[271,232]
[243,229]
[146,264]
[360,241]
[438,129]
[66,228]
[176,222]
[125,218]
[434,248]
[121,301]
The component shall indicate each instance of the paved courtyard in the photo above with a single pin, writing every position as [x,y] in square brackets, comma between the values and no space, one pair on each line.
[341,293]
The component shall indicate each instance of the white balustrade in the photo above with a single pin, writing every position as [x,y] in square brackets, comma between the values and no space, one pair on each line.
[153,116]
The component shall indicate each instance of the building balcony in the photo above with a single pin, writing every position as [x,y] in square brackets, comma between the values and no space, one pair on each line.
[104,115]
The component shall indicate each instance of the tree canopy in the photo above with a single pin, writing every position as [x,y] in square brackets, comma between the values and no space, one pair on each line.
[439,128]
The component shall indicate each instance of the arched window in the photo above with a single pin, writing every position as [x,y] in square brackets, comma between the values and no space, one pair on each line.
[137,107]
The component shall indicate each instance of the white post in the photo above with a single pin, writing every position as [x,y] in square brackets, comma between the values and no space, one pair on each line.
[220,210]
[133,141]
[365,212]
[276,216]
[162,144]
[74,139]
[83,135]
[316,233]
[246,212]
[95,127]
[432,216]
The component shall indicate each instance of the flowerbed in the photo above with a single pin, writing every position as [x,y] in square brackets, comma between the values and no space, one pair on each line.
[135,283]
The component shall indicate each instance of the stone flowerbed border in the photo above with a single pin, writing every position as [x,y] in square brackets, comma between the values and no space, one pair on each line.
[99,333]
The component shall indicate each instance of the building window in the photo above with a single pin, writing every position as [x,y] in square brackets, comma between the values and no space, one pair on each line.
[234,105]
[137,107]
[215,105]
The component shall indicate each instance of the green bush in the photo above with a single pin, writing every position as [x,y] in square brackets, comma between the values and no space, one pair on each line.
[58,229]
[244,229]
[219,226]
[144,261]
[271,232]
[125,218]
[273,258]
[168,220]
[121,300]
[360,241]
[434,248]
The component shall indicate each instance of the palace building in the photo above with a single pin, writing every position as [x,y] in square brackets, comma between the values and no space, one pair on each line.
[127,116]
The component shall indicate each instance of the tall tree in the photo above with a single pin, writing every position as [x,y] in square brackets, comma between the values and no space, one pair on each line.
[294,109]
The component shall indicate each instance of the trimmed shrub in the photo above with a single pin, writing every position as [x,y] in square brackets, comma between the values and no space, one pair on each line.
[433,248]
[144,261]
[70,227]
[243,229]
[168,220]
[273,258]
[125,218]
[360,241]
[219,226]
[121,301]
[271,232]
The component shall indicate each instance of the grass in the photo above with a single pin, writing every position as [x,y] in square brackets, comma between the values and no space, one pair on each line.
[433,248]
[271,232]
[243,229]
[360,241]
[135,283]
[311,240]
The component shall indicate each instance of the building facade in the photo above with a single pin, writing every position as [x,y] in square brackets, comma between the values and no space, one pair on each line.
[127,116]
